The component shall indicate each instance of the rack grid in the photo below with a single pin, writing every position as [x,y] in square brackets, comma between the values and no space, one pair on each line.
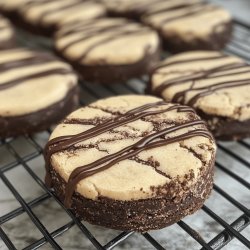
[231,188]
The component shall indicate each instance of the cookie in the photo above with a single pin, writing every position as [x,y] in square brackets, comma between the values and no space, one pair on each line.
[215,84]
[109,49]
[131,162]
[44,17]
[36,91]
[191,25]
[7,35]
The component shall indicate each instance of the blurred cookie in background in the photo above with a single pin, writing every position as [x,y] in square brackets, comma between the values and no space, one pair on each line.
[109,49]
[43,16]
[215,84]
[36,91]
[193,25]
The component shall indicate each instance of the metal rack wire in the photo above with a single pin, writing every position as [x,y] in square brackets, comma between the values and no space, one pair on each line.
[229,156]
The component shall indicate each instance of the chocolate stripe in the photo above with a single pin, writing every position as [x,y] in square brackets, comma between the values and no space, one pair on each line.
[197,76]
[14,82]
[63,143]
[184,6]
[87,35]
[89,30]
[58,9]
[108,39]
[218,86]
[190,13]
[189,61]
[214,73]
[23,62]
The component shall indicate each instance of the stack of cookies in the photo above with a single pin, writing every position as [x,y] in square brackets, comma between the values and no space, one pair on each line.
[134,162]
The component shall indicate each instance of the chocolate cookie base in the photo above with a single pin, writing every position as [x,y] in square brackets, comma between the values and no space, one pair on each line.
[216,40]
[39,120]
[139,215]
[226,129]
[107,73]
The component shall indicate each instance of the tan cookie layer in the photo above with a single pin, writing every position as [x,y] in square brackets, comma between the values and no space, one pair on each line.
[60,12]
[195,20]
[229,99]
[6,31]
[106,41]
[22,90]
[136,177]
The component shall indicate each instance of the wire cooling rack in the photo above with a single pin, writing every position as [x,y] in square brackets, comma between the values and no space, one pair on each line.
[222,222]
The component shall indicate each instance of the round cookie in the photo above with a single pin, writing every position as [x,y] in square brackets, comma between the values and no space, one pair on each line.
[215,84]
[36,90]
[44,17]
[191,26]
[109,49]
[7,36]
[131,162]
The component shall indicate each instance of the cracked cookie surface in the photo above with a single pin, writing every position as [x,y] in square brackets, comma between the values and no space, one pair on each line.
[139,148]
[216,85]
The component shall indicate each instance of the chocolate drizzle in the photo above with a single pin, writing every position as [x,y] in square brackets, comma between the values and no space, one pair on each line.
[191,10]
[184,5]
[34,59]
[213,73]
[153,140]
[87,31]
